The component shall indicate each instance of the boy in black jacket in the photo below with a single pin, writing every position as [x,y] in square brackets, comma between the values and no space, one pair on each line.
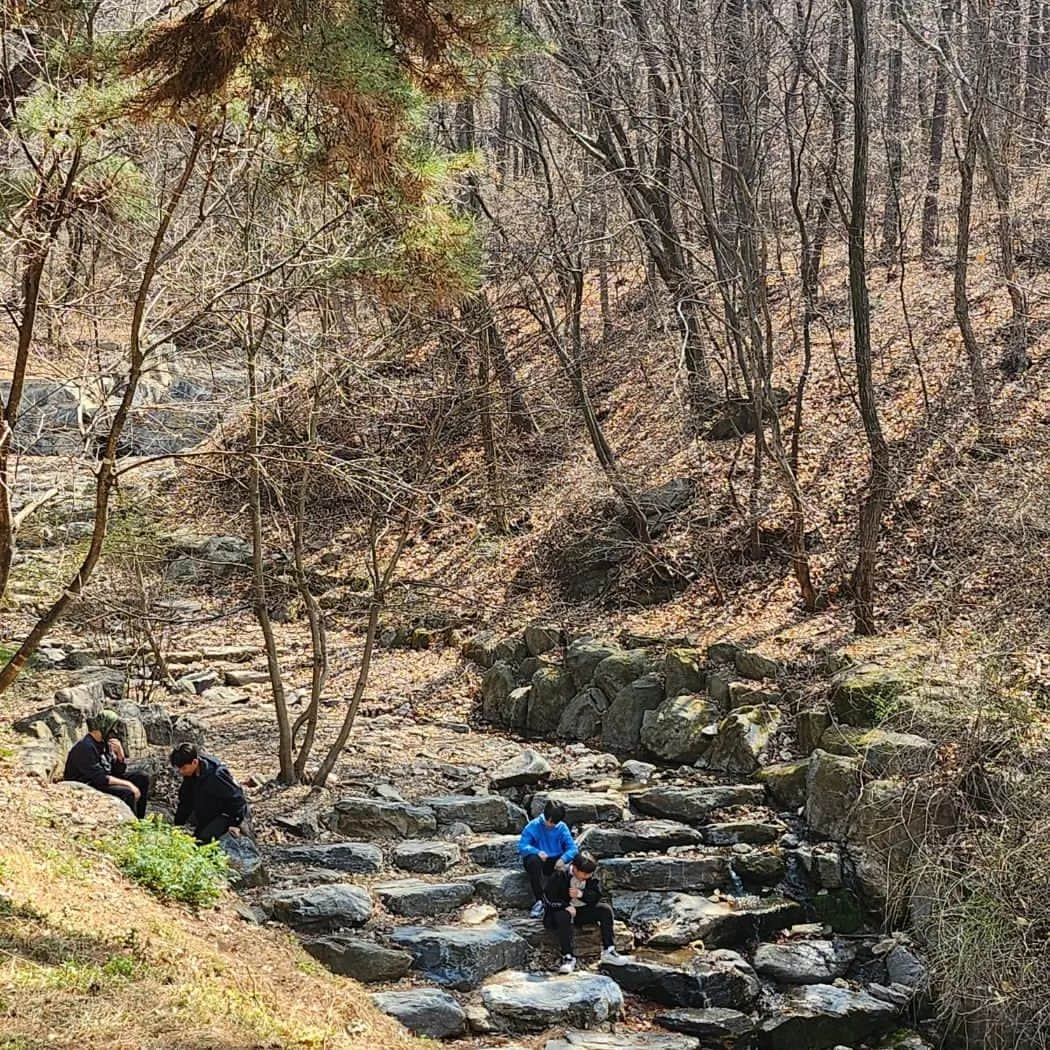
[572,897]
[209,796]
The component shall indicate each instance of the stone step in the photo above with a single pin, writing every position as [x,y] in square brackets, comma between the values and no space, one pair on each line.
[361,959]
[426,856]
[320,907]
[461,956]
[713,1026]
[478,812]
[696,804]
[424,1012]
[506,889]
[494,851]
[577,1040]
[361,858]
[414,898]
[820,1016]
[378,818]
[588,937]
[686,978]
[582,807]
[667,873]
[641,836]
[525,1002]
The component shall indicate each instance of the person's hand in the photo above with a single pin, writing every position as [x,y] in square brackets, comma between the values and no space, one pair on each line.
[560,865]
[572,911]
[542,855]
[136,794]
[235,831]
[117,749]
[574,892]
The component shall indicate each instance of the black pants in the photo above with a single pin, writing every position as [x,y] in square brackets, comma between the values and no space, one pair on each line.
[213,830]
[558,919]
[538,872]
[141,781]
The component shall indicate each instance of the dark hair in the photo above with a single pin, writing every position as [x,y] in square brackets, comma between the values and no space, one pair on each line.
[183,754]
[554,812]
[585,862]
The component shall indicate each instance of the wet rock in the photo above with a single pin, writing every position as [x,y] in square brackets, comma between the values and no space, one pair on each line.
[883,753]
[246,864]
[683,874]
[754,665]
[359,958]
[695,805]
[821,1015]
[577,1040]
[523,1002]
[526,768]
[362,858]
[424,1012]
[620,669]
[803,962]
[461,956]
[542,638]
[502,702]
[741,738]
[684,979]
[428,857]
[748,832]
[503,888]
[494,851]
[641,836]
[715,1026]
[583,716]
[584,655]
[373,817]
[321,907]
[581,807]
[786,782]
[414,898]
[684,672]
[479,812]
[832,788]
[680,729]
[552,689]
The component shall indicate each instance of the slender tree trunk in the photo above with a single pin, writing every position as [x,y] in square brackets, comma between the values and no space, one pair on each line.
[1037,65]
[938,123]
[891,216]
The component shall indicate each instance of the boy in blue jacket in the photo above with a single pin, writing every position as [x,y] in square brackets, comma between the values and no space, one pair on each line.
[546,845]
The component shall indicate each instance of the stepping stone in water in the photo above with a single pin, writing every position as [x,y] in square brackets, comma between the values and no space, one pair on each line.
[494,851]
[362,858]
[479,812]
[461,957]
[714,1026]
[821,1015]
[667,873]
[621,1041]
[358,958]
[414,898]
[373,817]
[643,836]
[582,807]
[686,978]
[428,857]
[327,907]
[804,962]
[524,1002]
[695,805]
[425,1012]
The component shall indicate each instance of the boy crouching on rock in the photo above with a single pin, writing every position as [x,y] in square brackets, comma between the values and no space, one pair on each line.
[574,897]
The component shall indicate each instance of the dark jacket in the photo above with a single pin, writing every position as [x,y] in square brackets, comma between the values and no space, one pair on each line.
[92,763]
[556,892]
[211,792]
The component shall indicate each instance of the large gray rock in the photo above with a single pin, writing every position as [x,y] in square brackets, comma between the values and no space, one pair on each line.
[526,768]
[551,690]
[640,836]
[819,1016]
[754,665]
[583,716]
[883,753]
[505,888]
[424,1012]
[581,807]
[714,1026]
[684,672]
[681,728]
[362,858]
[461,956]
[481,649]
[786,782]
[246,864]
[746,832]
[584,655]
[622,723]
[906,967]
[494,851]
[414,898]
[588,942]
[833,786]
[804,962]
[541,638]
[862,692]
[698,979]
[695,805]
[577,1040]
[684,874]
[478,812]
[378,818]
[619,669]
[524,1002]
[501,700]
[425,856]
[321,907]
[741,738]
[87,696]
[359,958]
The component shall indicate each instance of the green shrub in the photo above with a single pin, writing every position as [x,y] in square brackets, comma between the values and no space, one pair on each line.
[169,863]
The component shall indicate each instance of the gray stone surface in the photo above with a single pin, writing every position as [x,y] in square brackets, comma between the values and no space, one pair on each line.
[685,874]
[526,768]
[494,851]
[622,723]
[374,817]
[584,655]
[461,956]
[741,738]
[541,638]
[884,753]
[754,666]
[582,807]
[361,959]
[246,864]
[501,700]
[424,1012]
[479,812]
[833,786]
[425,856]
[695,805]
[748,832]
[620,669]
[583,716]
[804,962]
[684,671]
[505,888]
[413,898]
[584,1040]
[524,1002]
[640,836]
[552,689]
[681,728]
[684,978]
[786,782]
[714,1026]
[821,1015]
[321,907]
[362,858]
[907,967]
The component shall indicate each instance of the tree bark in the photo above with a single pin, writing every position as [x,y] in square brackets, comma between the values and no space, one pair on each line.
[938,123]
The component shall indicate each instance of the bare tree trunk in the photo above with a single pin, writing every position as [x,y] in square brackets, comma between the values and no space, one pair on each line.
[891,216]
[1037,65]
[938,123]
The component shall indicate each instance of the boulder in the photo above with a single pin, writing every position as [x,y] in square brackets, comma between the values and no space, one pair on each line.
[637,772]
[684,672]
[884,753]
[641,836]
[809,728]
[584,655]
[680,729]
[621,668]
[764,867]
[741,738]
[511,650]
[359,958]
[321,907]
[426,856]
[197,682]
[588,940]
[747,832]
[374,817]
[542,638]
[461,956]
[526,768]
[552,689]
[85,696]
[524,1002]
[685,978]
[362,858]
[481,649]
[744,694]
[478,812]
[185,729]
[41,758]
[508,889]
[239,677]
[413,898]
[863,693]
[754,666]
[833,786]
[695,805]
[494,851]
[501,699]
[667,873]
[817,1016]
[87,808]
[786,782]
[714,1026]
[424,1012]
[803,962]
[246,863]
[582,1040]
[906,967]
[622,724]
[583,715]
[581,807]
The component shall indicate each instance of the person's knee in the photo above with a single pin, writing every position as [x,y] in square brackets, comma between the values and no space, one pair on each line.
[604,910]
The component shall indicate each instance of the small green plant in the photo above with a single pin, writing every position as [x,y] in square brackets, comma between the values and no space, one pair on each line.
[170,863]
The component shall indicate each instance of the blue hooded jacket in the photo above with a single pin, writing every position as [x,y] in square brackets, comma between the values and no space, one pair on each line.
[537,837]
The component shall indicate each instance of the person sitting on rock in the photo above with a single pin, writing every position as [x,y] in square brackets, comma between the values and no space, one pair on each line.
[209,797]
[574,897]
[99,760]
[546,845]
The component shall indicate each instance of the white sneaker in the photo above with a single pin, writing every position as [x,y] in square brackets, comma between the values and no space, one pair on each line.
[610,954]
[568,964]
[537,910]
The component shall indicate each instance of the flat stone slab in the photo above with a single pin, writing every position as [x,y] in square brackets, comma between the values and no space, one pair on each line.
[426,856]
[329,907]
[425,1012]
[667,873]
[494,851]
[478,812]
[461,956]
[713,1026]
[582,807]
[822,1015]
[641,836]
[502,887]
[359,958]
[686,978]
[804,962]
[695,805]
[588,938]
[414,898]
[361,858]
[378,818]
[525,1002]
[621,1041]
[750,832]
[526,768]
